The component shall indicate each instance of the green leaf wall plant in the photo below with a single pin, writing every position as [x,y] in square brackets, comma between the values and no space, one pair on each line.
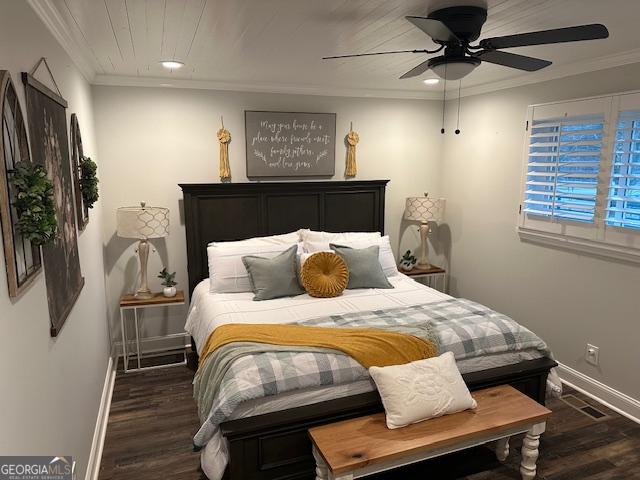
[88,181]
[34,203]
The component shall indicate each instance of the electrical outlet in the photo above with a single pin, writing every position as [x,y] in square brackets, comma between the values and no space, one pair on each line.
[592,355]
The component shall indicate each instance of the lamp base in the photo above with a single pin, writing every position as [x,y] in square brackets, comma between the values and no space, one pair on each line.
[423,262]
[423,266]
[143,294]
[143,253]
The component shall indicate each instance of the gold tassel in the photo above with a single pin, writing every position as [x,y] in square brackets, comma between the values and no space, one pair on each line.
[352,167]
[224,137]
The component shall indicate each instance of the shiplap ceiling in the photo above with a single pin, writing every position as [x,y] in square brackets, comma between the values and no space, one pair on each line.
[277,45]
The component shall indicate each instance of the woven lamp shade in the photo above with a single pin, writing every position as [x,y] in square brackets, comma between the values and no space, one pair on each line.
[424,209]
[142,222]
[324,275]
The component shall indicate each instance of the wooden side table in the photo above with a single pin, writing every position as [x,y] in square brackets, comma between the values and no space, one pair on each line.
[434,277]
[131,302]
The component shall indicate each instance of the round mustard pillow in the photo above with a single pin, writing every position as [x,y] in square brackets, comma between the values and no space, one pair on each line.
[324,275]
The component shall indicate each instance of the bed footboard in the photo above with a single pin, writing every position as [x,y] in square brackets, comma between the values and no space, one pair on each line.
[276,445]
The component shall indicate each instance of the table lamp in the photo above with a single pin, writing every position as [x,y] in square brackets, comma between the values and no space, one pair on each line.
[143,223]
[424,210]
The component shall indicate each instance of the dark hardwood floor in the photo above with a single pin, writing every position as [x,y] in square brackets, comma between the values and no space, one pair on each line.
[153,418]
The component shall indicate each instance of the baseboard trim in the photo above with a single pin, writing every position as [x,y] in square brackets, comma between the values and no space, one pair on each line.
[95,456]
[609,397]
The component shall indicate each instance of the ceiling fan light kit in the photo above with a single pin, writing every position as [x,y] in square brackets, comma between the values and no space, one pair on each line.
[453,68]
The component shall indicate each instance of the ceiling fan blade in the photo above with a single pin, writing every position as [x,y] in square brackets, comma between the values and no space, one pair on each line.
[434,28]
[512,60]
[417,70]
[374,53]
[559,35]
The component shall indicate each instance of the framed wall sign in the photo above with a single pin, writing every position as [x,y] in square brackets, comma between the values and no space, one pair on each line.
[290,144]
[46,111]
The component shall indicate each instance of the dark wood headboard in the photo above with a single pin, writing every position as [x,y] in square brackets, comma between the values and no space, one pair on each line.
[216,212]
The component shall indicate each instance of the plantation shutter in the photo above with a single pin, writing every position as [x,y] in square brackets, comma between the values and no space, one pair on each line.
[581,176]
[563,166]
[623,206]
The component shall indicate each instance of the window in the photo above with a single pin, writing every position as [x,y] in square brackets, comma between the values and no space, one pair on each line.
[581,178]
[623,207]
[563,167]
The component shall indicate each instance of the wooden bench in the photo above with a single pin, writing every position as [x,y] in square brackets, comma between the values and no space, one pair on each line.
[364,446]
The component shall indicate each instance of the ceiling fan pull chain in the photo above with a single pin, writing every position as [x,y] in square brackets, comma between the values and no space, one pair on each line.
[444,97]
[458,122]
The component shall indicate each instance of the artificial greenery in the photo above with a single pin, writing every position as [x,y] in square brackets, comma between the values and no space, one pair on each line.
[88,181]
[168,278]
[408,260]
[34,203]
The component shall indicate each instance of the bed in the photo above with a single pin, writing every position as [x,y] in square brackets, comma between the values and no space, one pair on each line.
[267,438]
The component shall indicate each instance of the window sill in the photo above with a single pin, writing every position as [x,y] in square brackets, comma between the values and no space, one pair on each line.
[598,249]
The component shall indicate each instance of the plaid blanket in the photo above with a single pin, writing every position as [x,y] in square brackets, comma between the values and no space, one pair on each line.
[461,326]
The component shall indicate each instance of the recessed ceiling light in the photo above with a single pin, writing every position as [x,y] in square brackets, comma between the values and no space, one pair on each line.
[172,64]
[166,85]
[431,81]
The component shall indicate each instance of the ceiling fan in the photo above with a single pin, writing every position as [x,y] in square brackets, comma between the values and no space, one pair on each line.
[455,28]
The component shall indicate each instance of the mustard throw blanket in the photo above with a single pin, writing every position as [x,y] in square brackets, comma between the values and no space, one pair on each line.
[368,346]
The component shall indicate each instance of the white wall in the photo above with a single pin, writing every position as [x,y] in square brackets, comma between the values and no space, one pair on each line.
[151,139]
[568,298]
[51,387]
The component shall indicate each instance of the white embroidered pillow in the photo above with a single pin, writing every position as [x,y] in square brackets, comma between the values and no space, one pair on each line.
[421,390]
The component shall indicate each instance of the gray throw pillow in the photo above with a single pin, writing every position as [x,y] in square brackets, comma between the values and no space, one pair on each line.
[274,277]
[364,266]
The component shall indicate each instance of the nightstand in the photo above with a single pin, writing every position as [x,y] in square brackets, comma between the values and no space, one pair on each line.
[131,302]
[434,277]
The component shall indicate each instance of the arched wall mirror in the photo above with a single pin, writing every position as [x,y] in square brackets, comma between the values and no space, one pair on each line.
[82,212]
[22,258]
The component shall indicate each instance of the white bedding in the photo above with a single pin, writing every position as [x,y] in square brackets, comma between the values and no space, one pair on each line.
[210,310]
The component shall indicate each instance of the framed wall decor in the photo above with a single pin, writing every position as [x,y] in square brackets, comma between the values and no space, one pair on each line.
[46,111]
[290,144]
[22,258]
[77,153]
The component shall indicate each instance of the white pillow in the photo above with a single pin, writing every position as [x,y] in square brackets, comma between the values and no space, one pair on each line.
[314,236]
[421,390]
[227,273]
[283,239]
[385,255]
[304,256]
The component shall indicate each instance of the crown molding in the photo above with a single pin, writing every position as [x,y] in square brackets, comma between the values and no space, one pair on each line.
[54,22]
[132,81]
[553,73]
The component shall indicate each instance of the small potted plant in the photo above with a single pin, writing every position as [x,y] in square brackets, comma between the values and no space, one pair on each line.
[407,261]
[168,282]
